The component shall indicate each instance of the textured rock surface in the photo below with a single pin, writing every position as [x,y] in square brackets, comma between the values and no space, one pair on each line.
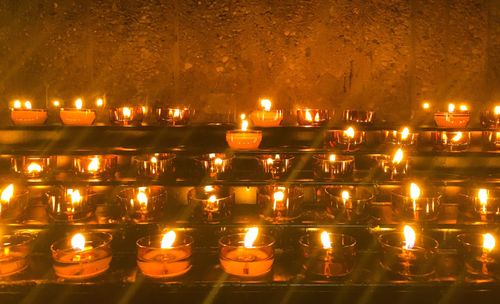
[388,55]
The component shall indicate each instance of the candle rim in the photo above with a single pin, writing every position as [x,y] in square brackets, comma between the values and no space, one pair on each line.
[310,235]
[221,192]
[352,193]
[65,243]
[421,241]
[28,110]
[283,156]
[188,241]
[77,110]
[338,157]
[158,192]
[291,192]
[25,239]
[475,235]
[430,193]
[159,156]
[270,241]
[221,155]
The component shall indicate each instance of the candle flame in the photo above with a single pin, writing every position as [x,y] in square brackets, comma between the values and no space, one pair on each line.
[17,104]
[250,237]
[279,196]
[27,104]
[154,160]
[266,104]
[405,133]
[218,161]
[451,108]
[142,197]
[345,195]
[414,191]
[349,132]
[126,112]
[270,161]
[79,103]
[244,125]
[426,105]
[325,240]
[93,166]
[398,156]
[78,242]
[56,103]
[482,195]
[243,116]
[99,102]
[75,195]
[177,113]
[332,157]
[463,108]
[209,188]
[168,240]
[308,116]
[316,117]
[34,167]
[410,237]
[488,242]
[7,193]
[497,110]
[457,137]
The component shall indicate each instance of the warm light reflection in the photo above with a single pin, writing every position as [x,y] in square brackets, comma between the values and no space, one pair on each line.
[308,116]
[78,242]
[482,195]
[410,237]
[7,193]
[56,103]
[34,168]
[177,113]
[414,191]
[279,196]
[497,110]
[325,240]
[463,108]
[332,157]
[244,125]
[398,156]
[168,240]
[488,242]
[218,161]
[79,103]
[154,160]
[250,237]
[142,197]
[345,196]
[75,195]
[405,133]
[266,104]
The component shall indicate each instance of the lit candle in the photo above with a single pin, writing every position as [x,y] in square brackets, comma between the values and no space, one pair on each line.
[70,204]
[348,139]
[275,166]
[173,116]
[95,167]
[312,117]
[211,204]
[144,204]
[393,166]
[82,256]
[403,137]
[215,165]
[164,256]
[491,118]
[155,166]
[331,166]
[408,255]
[346,205]
[453,118]
[247,255]
[77,116]
[127,115]
[411,203]
[453,140]
[266,117]
[25,115]
[327,254]
[13,203]
[358,117]
[280,204]
[243,139]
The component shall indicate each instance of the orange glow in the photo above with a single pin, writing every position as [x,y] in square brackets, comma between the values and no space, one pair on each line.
[398,156]
[414,191]
[250,237]
[79,103]
[7,193]
[78,242]
[349,132]
[325,240]
[127,113]
[266,104]
[93,166]
[488,242]
[34,168]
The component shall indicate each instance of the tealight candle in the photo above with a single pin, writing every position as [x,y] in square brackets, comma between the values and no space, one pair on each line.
[454,118]
[348,139]
[216,165]
[332,166]
[492,139]
[144,204]
[491,118]
[410,203]
[173,116]
[33,167]
[70,204]
[13,202]
[211,204]
[347,204]
[280,204]
[95,166]
[248,254]
[393,166]
[83,256]
[357,116]
[452,141]
[14,253]
[484,204]
[266,117]
[327,254]
[408,254]
[77,116]
[403,137]
[126,116]
[155,166]
[312,117]
[164,256]
[243,139]
[25,115]
[480,254]
[275,166]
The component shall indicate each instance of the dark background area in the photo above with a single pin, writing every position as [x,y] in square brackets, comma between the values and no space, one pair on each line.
[223,55]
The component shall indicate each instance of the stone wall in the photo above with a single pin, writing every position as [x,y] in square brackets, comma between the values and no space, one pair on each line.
[386,55]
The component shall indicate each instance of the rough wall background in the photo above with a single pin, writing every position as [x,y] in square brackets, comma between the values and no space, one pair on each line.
[387,55]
